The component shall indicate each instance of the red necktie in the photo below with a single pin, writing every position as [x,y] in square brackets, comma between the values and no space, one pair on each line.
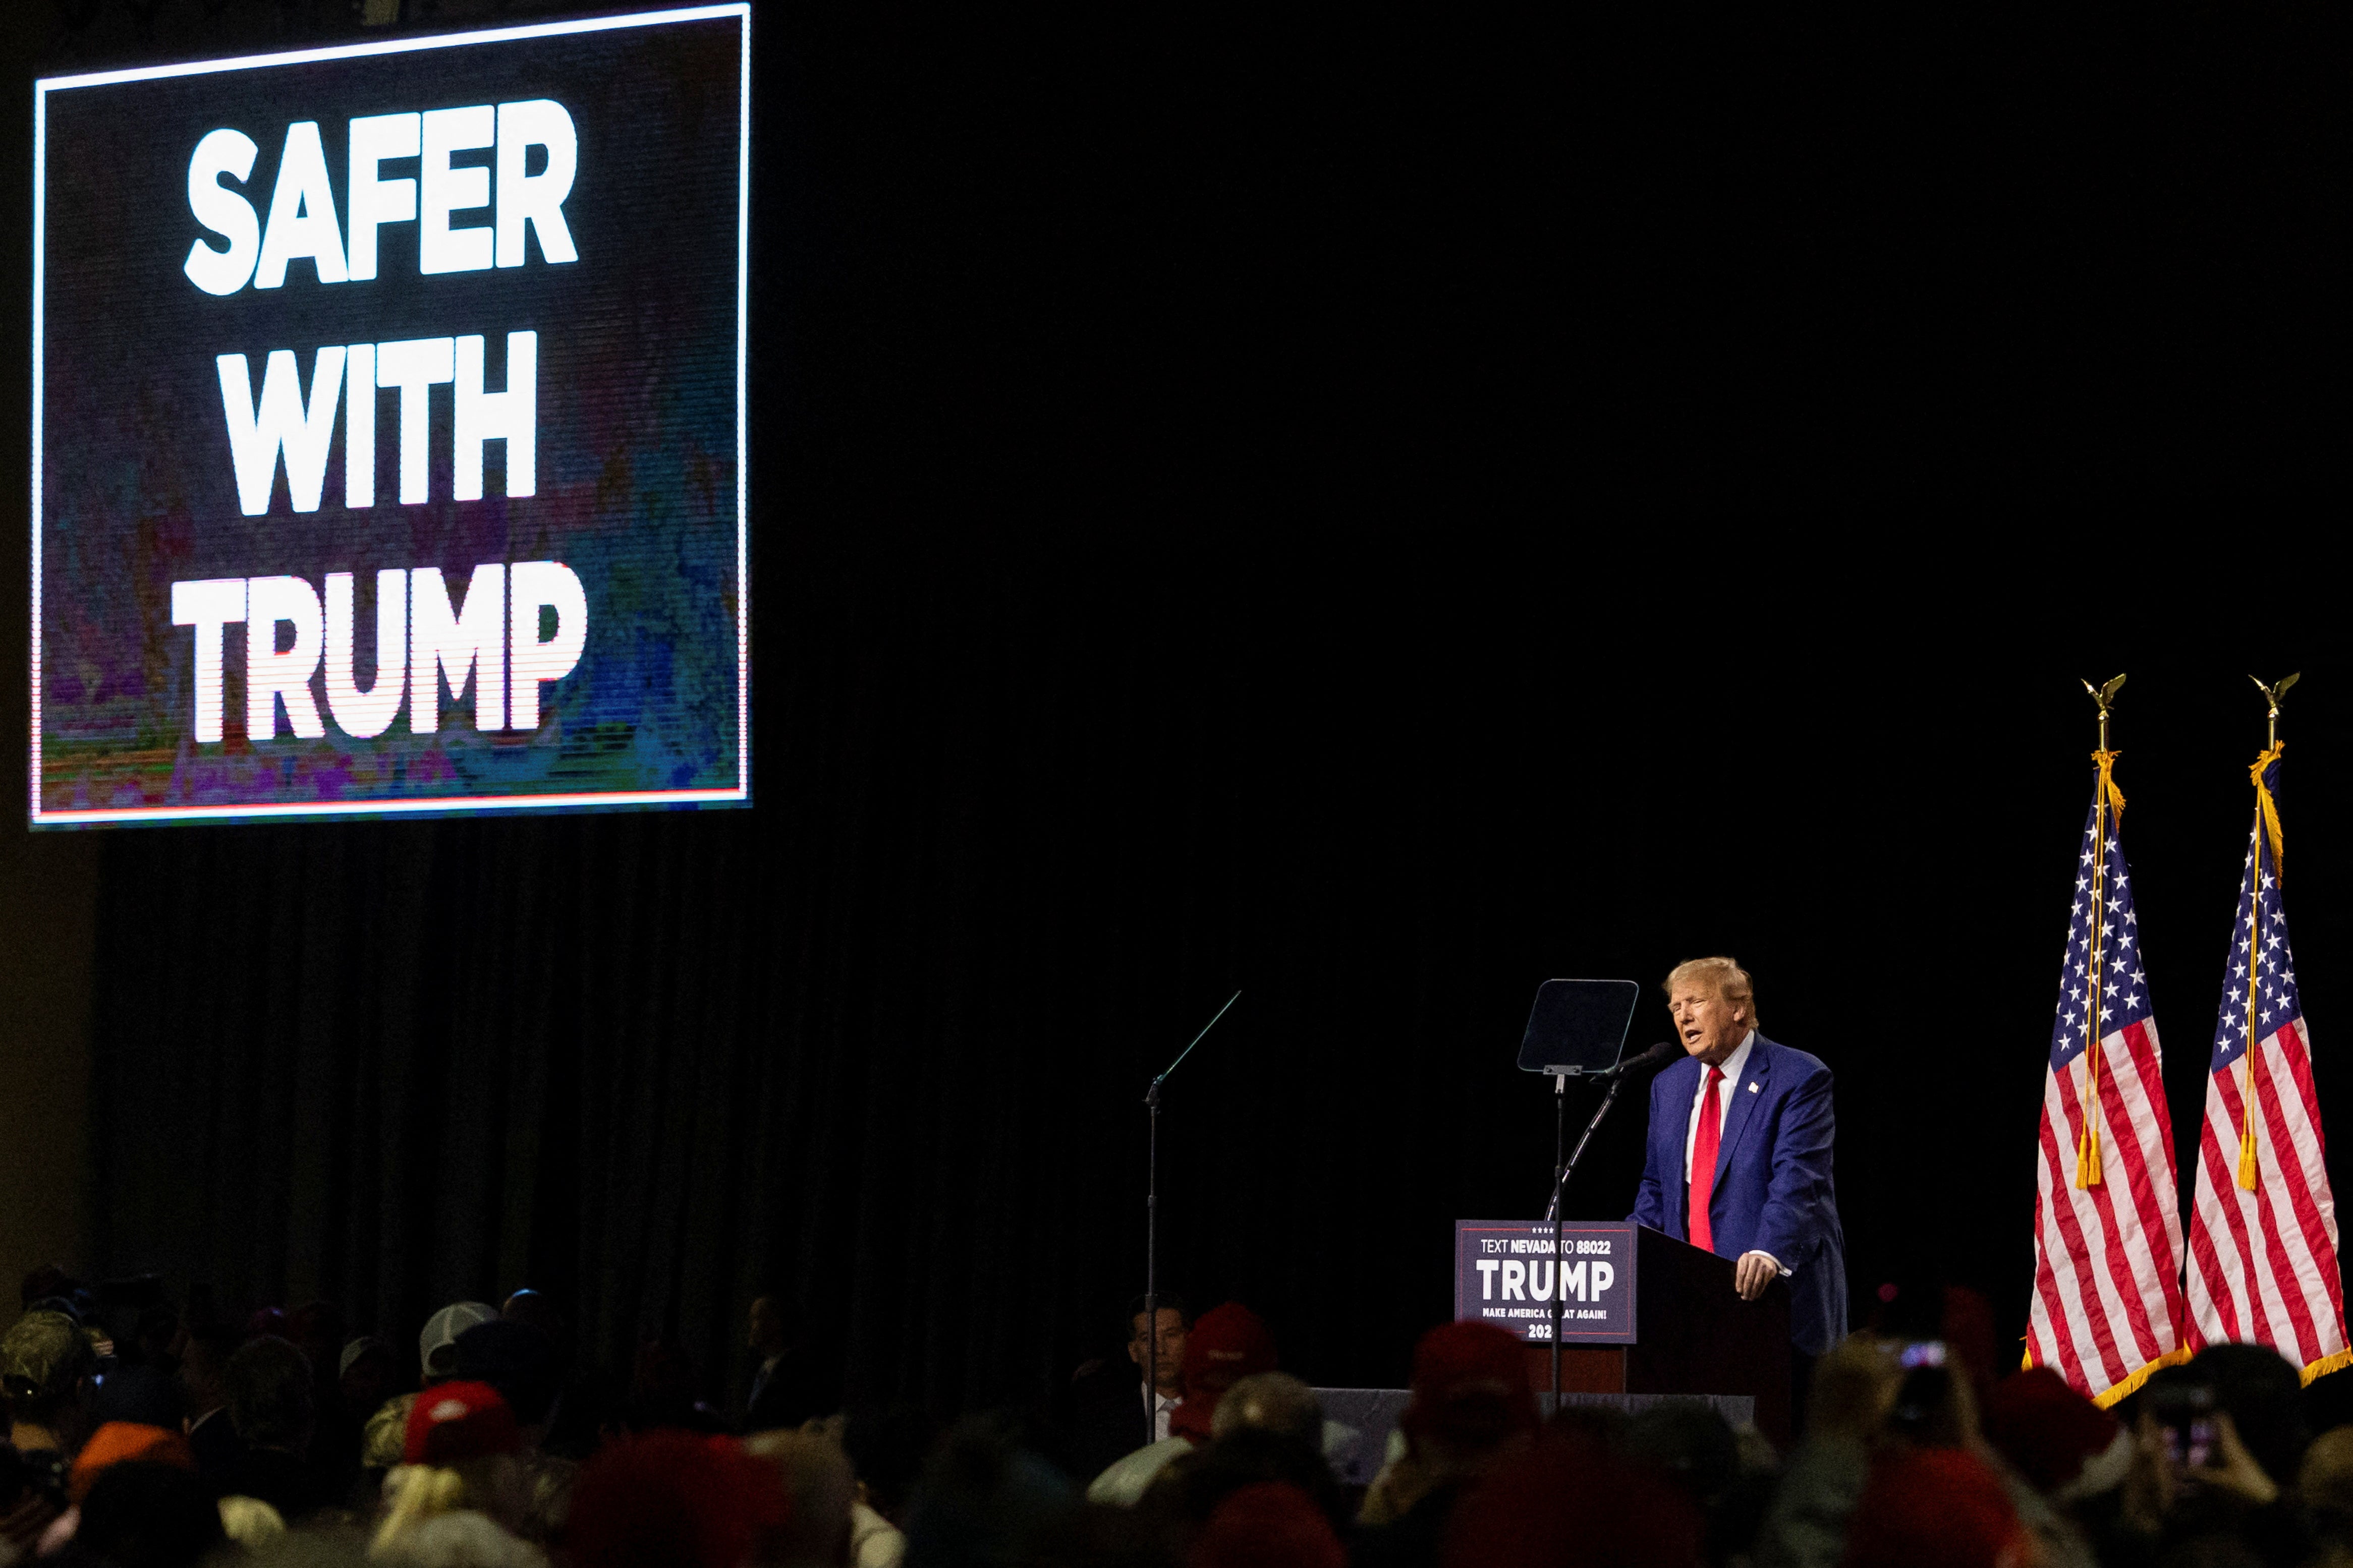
[1702,1165]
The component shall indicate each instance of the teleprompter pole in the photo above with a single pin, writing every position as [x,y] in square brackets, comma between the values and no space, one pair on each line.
[1559,1178]
[1561,1172]
[1152,1238]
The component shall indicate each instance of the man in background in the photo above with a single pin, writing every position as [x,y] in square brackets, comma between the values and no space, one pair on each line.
[1108,1402]
[1228,1344]
[1165,1361]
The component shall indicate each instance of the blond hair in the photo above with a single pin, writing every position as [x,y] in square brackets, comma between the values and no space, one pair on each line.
[1731,982]
[412,1494]
[385,1440]
[250,1522]
[415,1493]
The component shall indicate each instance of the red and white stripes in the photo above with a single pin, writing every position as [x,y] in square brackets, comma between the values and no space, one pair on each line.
[2263,1263]
[2107,1308]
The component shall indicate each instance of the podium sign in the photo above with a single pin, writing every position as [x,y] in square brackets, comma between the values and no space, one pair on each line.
[1504,1273]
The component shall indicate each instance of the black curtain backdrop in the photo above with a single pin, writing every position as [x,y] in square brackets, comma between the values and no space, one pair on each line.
[1378,518]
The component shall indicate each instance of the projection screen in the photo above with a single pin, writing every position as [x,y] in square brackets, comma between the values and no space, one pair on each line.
[388,427]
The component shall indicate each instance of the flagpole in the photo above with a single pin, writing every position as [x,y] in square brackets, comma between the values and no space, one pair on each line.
[2250,1166]
[2087,1148]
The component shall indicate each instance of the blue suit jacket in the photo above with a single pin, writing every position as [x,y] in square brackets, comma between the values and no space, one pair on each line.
[1772,1189]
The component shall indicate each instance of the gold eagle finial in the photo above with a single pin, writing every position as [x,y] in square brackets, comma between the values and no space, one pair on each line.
[2272,695]
[2105,695]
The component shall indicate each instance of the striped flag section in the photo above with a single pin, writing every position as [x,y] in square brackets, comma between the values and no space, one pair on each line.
[2107,1308]
[2262,1233]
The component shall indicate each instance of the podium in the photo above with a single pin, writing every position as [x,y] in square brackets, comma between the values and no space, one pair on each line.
[1670,1323]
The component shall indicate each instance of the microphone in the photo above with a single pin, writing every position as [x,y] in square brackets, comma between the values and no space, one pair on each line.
[1651,1060]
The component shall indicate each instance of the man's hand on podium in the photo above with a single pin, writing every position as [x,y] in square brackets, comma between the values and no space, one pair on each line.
[1753,1273]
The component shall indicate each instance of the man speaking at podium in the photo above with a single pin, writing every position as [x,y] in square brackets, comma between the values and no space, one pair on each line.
[1739,1153]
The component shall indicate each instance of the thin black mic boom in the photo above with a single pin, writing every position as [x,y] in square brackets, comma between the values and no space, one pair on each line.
[1658,1055]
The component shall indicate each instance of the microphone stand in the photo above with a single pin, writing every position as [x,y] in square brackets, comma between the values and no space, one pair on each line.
[1152,1238]
[1561,1172]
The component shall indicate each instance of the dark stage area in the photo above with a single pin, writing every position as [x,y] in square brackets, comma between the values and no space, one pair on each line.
[1371,516]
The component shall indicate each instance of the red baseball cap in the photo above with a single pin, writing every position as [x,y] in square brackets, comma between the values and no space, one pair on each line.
[2050,1432]
[1227,1344]
[452,1422]
[1470,1386]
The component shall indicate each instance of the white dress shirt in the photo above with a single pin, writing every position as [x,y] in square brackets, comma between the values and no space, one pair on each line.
[1161,1406]
[1734,1065]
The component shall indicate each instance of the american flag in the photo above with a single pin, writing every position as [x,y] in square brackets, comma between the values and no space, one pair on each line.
[2107,1308]
[2262,1236]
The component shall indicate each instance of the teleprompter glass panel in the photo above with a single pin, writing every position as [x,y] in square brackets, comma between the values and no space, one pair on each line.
[1577,1026]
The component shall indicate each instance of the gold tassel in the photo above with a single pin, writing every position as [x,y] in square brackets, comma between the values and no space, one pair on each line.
[2087,1156]
[2271,809]
[2107,786]
[2267,823]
